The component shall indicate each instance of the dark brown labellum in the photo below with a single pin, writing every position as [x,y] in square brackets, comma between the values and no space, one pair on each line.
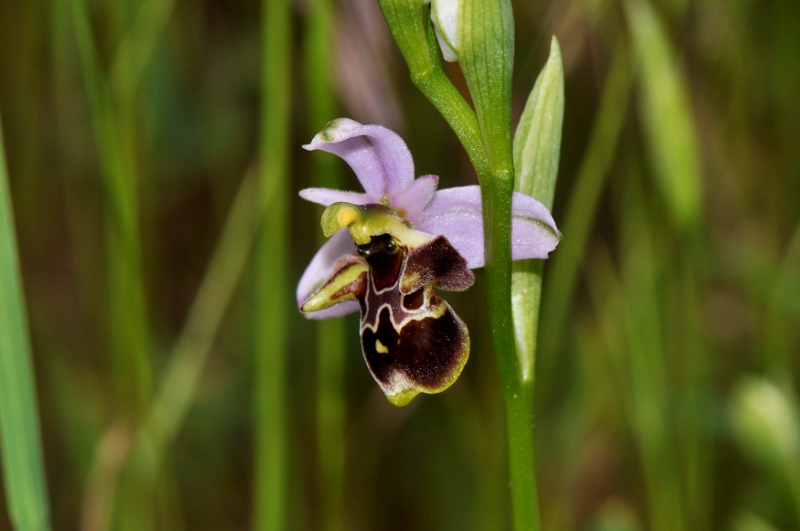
[411,339]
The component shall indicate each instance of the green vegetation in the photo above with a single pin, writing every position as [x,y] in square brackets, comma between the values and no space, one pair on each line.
[150,336]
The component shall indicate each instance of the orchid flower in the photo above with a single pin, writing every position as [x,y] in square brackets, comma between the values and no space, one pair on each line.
[391,245]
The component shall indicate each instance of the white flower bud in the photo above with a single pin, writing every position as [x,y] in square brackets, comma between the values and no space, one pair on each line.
[445,17]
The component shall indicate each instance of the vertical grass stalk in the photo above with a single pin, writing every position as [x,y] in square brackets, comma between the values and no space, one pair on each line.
[23,469]
[330,332]
[272,294]
[581,211]
[666,114]
[183,376]
[648,406]
[129,329]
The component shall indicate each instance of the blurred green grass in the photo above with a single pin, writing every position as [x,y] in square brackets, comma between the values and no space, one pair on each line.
[677,284]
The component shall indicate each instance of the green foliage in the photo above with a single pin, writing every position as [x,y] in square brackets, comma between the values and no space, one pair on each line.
[20,442]
[129,130]
[331,345]
[271,338]
[666,115]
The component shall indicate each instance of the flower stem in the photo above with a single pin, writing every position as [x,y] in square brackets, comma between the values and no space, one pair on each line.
[486,136]
[517,393]
[413,33]
[496,193]
[487,58]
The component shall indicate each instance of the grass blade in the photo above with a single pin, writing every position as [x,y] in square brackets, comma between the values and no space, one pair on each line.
[183,376]
[667,116]
[129,328]
[331,413]
[273,301]
[581,210]
[19,417]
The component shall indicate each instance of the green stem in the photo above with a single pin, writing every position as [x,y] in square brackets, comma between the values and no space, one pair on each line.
[486,136]
[272,294]
[486,58]
[440,91]
[410,26]
[517,392]
[23,469]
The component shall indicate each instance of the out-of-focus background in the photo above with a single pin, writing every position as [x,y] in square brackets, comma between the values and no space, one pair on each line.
[669,350]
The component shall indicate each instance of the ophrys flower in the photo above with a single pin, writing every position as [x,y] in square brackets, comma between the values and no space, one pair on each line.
[390,246]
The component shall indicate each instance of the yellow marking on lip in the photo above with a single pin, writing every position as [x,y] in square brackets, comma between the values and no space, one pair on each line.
[380,347]
[346,217]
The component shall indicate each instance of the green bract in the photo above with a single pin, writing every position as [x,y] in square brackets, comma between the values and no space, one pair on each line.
[537,141]
[537,146]
[486,56]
